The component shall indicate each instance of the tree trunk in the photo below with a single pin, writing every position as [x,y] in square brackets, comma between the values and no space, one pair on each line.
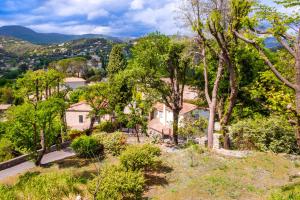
[211,123]
[43,150]
[137,134]
[90,130]
[297,90]
[175,126]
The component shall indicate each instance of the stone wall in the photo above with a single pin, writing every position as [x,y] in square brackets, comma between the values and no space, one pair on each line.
[24,158]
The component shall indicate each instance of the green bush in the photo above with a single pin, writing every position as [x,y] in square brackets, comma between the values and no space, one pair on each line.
[289,192]
[7,193]
[87,146]
[116,183]
[6,149]
[139,157]
[113,143]
[265,134]
[106,126]
[72,134]
[54,186]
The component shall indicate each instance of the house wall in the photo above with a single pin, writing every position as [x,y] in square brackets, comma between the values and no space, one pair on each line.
[72,118]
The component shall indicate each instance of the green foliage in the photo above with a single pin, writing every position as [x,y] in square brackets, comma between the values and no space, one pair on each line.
[87,146]
[117,60]
[48,186]
[72,134]
[140,157]
[76,95]
[7,193]
[116,183]
[265,134]
[192,127]
[114,143]
[6,149]
[289,192]
[106,126]
[288,3]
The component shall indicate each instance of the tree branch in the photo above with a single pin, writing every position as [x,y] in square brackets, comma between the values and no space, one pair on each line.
[267,61]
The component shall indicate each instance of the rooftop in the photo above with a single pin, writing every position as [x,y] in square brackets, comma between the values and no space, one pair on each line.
[73,79]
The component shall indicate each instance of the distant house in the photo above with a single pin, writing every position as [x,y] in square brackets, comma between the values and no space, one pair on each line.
[4,107]
[77,116]
[74,82]
[161,118]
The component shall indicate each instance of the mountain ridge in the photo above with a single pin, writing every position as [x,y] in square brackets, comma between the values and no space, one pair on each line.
[27,34]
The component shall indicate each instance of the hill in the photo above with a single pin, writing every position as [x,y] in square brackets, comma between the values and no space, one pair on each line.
[29,35]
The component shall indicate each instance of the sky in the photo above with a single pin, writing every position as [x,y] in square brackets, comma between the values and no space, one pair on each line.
[126,18]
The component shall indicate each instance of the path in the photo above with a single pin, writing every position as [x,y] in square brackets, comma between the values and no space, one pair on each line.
[26,166]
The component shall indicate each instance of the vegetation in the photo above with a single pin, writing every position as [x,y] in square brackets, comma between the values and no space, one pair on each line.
[143,157]
[114,143]
[87,147]
[116,183]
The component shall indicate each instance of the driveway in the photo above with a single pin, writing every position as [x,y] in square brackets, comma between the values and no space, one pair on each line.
[26,166]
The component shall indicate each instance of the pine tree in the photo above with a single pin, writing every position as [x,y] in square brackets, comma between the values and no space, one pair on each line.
[289,3]
[117,61]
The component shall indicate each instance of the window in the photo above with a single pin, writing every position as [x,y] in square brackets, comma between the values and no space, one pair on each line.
[160,114]
[81,119]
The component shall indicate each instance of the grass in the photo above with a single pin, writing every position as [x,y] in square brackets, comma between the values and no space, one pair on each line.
[260,176]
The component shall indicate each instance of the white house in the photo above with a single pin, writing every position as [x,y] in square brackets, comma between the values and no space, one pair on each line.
[161,119]
[74,82]
[77,116]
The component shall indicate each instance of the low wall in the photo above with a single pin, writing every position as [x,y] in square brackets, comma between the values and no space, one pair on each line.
[18,160]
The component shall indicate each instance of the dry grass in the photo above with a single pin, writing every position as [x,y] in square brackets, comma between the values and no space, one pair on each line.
[215,177]
[212,177]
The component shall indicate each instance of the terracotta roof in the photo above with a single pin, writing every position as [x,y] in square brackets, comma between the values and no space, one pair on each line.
[73,79]
[81,106]
[4,106]
[159,106]
[187,107]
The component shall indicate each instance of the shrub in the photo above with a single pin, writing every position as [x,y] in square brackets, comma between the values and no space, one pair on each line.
[116,183]
[113,143]
[86,146]
[7,193]
[138,157]
[289,192]
[106,126]
[72,134]
[265,134]
[53,186]
[6,149]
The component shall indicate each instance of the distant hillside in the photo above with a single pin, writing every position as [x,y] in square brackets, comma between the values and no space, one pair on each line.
[29,35]
[16,46]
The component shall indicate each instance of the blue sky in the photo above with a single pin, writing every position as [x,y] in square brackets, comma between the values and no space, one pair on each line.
[127,18]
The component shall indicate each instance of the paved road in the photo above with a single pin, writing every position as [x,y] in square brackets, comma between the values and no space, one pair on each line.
[26,166]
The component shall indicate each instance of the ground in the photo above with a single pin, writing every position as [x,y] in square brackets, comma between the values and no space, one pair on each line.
[210,176]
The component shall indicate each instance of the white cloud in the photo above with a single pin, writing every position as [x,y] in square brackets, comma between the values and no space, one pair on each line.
[137,4]
[77,29]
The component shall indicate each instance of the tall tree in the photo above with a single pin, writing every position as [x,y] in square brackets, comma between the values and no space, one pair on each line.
[97,97]
[156,57]
[216,19]
[41,94]
[117,60]
[286,29]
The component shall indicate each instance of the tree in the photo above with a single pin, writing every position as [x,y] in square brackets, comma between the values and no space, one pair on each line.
[160,66]
[288,3]
[97,97]
[117,60]
[71,66]
[216,19]
[286,29]
[44,105]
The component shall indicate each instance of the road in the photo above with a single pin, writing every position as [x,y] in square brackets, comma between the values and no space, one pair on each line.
[26,166]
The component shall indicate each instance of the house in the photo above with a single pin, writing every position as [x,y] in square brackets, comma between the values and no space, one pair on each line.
[161,118]
[77,116]
[74,82]
[4,107]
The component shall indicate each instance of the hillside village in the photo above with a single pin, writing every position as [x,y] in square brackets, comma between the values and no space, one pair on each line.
[210,115]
